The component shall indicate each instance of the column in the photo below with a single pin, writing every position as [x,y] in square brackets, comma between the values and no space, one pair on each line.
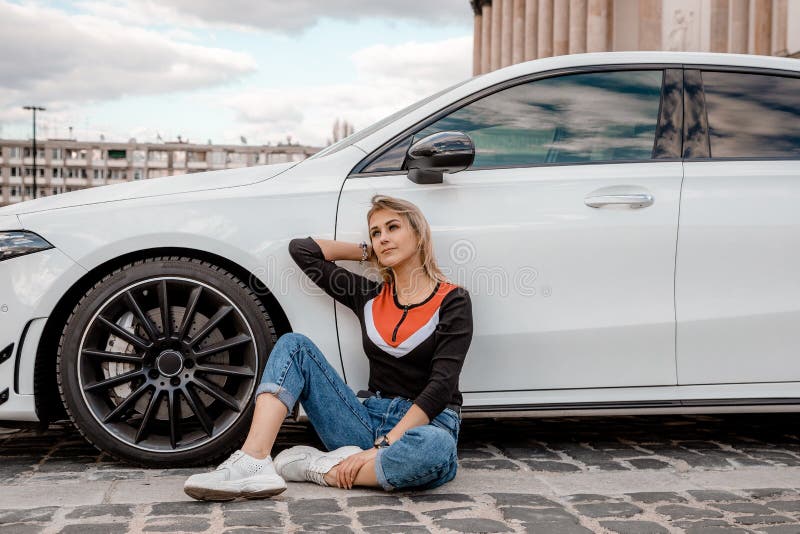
[780,23]
[497,25]
[598,27]
[506,33]
[545,41]
[486,38]
[719,26]
[762,28]
[531,29]
[739,11]
[477,38]
[650,15]
[518,47]
[577,26]
[560,27]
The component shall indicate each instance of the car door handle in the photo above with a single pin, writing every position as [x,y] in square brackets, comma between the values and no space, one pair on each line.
[636,200]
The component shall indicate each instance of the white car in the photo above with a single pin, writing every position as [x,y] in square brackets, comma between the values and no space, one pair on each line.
[627,225]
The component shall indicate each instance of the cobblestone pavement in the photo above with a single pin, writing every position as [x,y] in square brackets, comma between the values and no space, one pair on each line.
[643,474]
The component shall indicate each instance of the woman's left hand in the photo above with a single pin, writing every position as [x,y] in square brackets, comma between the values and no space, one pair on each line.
[347,469]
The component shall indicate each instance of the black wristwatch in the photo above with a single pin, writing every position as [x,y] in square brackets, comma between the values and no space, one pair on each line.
[381,442]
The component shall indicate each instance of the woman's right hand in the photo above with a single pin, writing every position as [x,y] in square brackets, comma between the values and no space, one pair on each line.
[347,469]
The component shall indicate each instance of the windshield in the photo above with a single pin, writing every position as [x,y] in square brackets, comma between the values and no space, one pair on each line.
[361,134]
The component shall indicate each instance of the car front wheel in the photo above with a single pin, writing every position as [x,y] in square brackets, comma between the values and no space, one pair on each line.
[158,362]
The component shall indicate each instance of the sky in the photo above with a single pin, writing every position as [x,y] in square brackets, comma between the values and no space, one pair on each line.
[222,70]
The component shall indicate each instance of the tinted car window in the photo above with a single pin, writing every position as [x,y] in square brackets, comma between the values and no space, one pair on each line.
[392,159]
[602,116]
[752,115]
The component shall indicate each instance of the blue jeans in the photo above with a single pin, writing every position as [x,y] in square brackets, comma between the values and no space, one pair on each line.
[425,457]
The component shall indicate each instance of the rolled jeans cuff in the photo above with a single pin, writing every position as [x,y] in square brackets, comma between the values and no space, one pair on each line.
[280,392]
[379,474]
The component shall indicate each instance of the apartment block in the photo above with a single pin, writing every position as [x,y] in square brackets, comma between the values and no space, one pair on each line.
[64,165]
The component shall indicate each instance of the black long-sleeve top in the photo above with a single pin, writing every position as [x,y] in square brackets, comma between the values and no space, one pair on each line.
[415,351]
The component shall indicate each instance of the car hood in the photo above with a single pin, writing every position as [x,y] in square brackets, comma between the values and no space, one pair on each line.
[9,222]
[168,185]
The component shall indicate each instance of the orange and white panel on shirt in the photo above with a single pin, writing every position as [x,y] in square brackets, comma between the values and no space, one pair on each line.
[381,316]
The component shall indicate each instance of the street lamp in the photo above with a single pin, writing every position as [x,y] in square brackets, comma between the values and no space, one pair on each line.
[34,109]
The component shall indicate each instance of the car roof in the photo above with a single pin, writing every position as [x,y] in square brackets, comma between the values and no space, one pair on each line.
[622,58]
[606,58]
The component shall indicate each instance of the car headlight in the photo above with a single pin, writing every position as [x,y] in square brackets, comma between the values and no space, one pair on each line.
[19,243]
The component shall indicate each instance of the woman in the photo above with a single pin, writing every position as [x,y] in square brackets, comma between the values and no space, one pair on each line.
[416,328]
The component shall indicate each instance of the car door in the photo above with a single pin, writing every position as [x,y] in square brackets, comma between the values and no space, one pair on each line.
[737,285]
[563,229]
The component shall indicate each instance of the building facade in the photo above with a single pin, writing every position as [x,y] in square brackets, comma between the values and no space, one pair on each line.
[68,165]
[512,31]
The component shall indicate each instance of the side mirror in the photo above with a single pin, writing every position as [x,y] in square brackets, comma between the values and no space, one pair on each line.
[432,156]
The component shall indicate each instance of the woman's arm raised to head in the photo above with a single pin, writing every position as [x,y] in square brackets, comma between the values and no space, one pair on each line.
[311,256]
[340,250]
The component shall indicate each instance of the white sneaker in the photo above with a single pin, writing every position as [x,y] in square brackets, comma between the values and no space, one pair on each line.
[241,475]
[302,463]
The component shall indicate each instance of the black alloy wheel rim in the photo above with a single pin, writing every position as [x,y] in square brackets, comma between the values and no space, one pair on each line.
[186,370]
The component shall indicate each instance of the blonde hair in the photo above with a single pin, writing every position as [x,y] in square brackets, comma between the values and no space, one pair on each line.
[420,226]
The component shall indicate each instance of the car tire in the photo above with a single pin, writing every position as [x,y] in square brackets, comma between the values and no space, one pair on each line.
[164,393]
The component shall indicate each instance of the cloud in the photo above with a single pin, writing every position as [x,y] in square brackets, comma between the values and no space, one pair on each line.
[62,60]
[280,15]
[112,50]
[388,79]
[138,13]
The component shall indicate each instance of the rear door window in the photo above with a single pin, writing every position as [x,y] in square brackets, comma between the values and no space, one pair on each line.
[752,115]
